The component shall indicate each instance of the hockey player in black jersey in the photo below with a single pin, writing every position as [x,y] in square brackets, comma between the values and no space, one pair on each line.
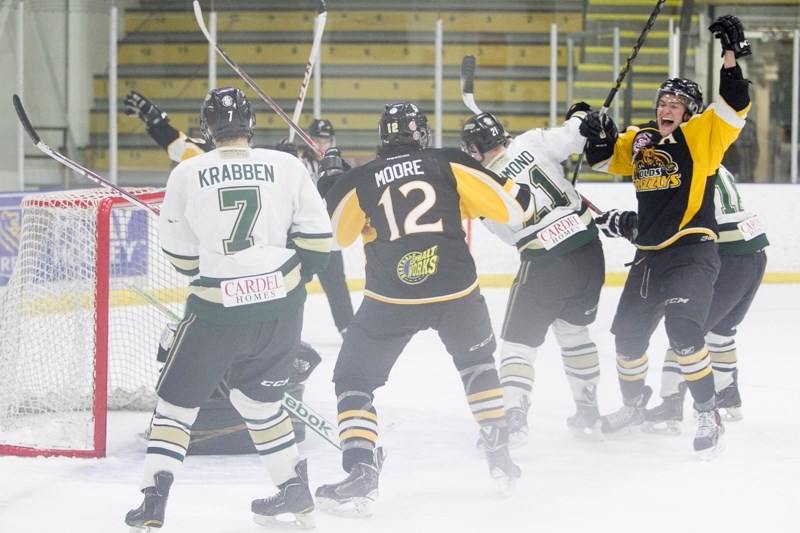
[741,245]
[408,205]
[672,161]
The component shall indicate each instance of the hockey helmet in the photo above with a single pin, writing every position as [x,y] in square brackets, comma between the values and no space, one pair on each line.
[404,124]
[226,113]
[688,90]
[321,129]
[484,132]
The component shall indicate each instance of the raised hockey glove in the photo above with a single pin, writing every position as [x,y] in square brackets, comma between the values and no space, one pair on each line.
[728,29]
[139,106]
[286,146]
[616,223]
[330,168]
[579,109]
[598,126]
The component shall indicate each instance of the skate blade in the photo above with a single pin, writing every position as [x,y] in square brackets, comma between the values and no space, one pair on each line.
[141,529]
[516,440]
[358,507]
[623,432]
[286,521]
[507,485]
[590,434]
[710,453]
[731,414]
[671,428]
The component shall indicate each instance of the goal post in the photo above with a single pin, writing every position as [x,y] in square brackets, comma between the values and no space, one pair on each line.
[77,338]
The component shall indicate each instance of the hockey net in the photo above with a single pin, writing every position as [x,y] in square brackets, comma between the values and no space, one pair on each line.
[78,335]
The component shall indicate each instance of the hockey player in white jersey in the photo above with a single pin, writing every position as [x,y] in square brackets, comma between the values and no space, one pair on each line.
[562,266]
[249,225]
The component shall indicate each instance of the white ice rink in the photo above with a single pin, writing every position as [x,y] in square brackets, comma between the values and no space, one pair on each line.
[434,480]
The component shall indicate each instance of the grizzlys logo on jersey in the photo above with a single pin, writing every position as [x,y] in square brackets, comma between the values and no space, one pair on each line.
[654,170]
[415,267]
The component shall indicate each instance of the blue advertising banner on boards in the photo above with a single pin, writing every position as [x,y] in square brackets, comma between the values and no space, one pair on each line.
[10,223]
[129,239]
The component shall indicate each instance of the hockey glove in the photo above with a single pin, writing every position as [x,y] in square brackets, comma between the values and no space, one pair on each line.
[728,29]
[598,126]
[578,108]
[139,106]
[165,342]
[616,223]
[286,146]
[330,168]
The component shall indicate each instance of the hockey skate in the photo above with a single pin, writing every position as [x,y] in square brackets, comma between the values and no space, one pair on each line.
[585,423]
[728,399]
[291,507]
[708,441]
[628,418]
[666,418]
[150,515]
[353,496]
[517,419]
[501,467]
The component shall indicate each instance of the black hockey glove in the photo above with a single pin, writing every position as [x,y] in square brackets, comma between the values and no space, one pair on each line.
[330,168]
[139,106]
[286,146]
[728,29]
[616,223]
[579,108]
[598,126]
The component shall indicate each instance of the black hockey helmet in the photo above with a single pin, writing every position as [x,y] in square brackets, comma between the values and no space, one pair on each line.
[484,132]
[686,89]
[404,124]
[321,128]
[226,113]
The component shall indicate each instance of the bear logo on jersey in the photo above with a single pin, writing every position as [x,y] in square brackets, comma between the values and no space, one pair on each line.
[415,267]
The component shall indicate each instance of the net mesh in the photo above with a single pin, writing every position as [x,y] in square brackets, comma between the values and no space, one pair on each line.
[52,318]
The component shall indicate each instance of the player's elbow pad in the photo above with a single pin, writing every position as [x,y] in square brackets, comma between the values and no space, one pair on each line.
[733,88]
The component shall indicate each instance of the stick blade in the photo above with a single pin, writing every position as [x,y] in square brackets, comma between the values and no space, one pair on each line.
[198,15]
[468,74]
[321,7]
[468,82]
[23,118]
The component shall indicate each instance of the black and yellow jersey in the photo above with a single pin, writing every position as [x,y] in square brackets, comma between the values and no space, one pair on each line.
[408,208]
[674,176]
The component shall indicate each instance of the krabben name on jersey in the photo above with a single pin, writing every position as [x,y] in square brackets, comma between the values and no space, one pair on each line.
[235,172]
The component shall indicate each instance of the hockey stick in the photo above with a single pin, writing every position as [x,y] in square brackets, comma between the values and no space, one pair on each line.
[468,83]
[322,16]
[468,96]
[64,160]
[198,14]
[622,73]
[308,416]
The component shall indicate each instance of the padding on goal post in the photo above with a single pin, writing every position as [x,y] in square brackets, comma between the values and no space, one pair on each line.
[77,338]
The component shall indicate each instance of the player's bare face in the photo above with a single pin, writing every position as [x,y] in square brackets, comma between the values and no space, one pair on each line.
[670,111]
